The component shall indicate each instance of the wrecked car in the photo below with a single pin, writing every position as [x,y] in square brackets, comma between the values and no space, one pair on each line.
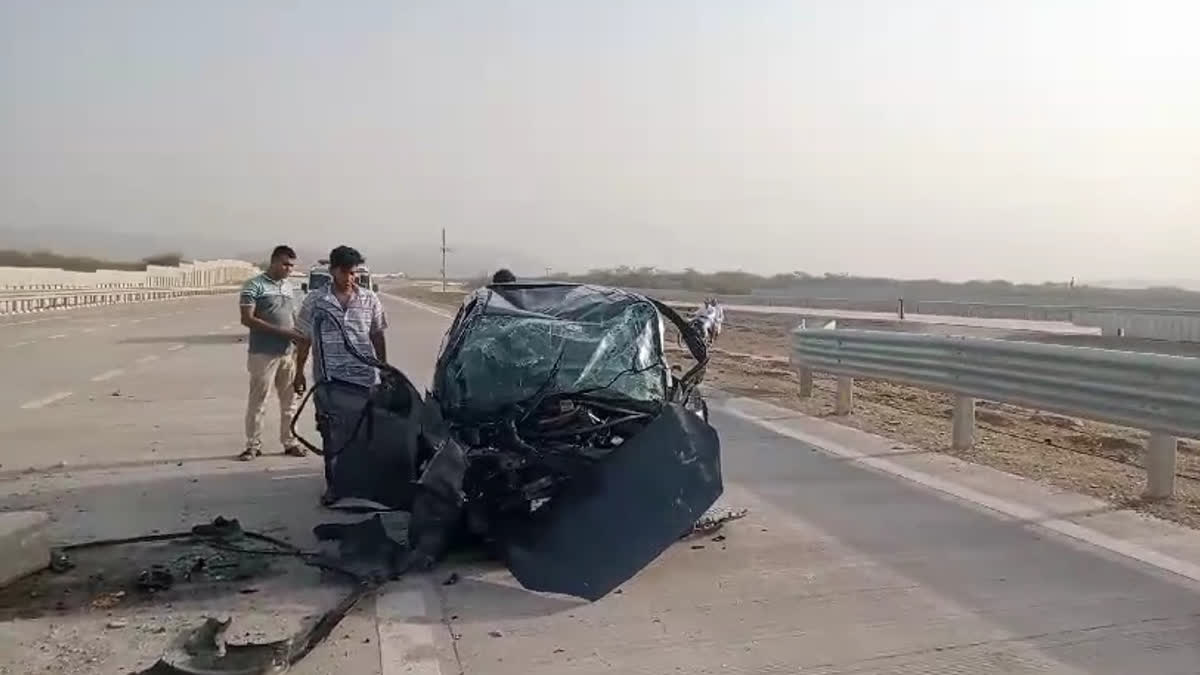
[556,434]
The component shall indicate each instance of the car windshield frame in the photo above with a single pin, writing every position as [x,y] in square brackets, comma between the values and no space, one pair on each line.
[614,338]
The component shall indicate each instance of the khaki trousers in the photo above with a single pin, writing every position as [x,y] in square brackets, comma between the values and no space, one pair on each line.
[265,370]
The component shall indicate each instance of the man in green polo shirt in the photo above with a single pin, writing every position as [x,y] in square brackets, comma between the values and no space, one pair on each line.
[268,309]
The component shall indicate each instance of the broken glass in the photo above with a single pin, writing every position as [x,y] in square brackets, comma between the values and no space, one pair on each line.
[512,345]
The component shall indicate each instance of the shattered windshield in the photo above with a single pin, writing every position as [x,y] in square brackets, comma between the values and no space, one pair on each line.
[513,345]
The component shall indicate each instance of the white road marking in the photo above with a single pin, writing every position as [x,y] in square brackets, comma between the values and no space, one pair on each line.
[57,337]
[227,326]
[1003,506]
[113,325]
[43,402]
[19,344]
[406,638]
[175,348]
[108,375]
[89,330]
[148,359]
[420,305]
[135,321]
[294,476]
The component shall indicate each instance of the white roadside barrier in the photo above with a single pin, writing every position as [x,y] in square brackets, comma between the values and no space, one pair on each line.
[1153,392]
[24,302]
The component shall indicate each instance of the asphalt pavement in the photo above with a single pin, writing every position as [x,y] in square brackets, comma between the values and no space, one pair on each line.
[135,412]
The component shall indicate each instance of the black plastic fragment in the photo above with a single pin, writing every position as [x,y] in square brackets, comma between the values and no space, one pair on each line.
[643,495]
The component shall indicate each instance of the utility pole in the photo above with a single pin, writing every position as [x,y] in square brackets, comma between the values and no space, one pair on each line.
[444,252]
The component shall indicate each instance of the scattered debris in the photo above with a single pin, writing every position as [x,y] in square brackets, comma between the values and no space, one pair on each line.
[60,562]
[157,578]
[715,519]
[197,567]
[495,634]
[371,538]
[108,600]
[452,579]
[116,624]
[203,650]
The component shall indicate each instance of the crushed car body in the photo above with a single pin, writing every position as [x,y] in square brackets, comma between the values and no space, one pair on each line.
[556,434]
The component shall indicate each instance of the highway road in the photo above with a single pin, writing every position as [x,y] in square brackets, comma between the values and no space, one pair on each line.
[839,568]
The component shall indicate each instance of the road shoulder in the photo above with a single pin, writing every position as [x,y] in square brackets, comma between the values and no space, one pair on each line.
[1125,532]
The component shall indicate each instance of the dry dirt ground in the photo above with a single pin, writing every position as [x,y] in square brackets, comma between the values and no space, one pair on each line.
[1092,458]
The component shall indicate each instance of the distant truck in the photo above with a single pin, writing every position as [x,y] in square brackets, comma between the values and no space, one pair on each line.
[319,277]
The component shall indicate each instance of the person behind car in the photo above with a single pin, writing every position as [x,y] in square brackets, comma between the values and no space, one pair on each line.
[504,276]
[268,309]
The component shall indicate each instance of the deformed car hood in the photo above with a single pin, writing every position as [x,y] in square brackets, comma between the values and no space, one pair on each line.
[643,497]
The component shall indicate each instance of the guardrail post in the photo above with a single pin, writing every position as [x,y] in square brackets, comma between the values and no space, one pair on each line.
[806,381]
[1160,466]
[845,395]
[963,436]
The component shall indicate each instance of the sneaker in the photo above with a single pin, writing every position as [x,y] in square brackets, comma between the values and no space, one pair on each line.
[328,498]
[249,454]
[295,451]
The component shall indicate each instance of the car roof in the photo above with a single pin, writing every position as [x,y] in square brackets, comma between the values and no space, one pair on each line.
[323,268]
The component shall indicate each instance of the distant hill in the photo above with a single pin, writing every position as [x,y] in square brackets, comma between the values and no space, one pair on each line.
[73,241]
[1185,284]
[419,259]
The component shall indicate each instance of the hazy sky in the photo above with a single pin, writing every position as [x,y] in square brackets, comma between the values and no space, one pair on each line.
[1026,139]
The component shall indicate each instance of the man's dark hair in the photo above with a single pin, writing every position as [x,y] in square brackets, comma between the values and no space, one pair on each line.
[283,251]
[344,256]
[503,276]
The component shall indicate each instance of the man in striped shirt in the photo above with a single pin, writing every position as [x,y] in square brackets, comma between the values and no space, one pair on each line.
[360,312]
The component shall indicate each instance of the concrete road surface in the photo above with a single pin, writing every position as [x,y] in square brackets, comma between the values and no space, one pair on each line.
[839,568]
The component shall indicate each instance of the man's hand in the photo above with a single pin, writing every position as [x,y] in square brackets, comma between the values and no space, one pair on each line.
[296,336]
[300,384]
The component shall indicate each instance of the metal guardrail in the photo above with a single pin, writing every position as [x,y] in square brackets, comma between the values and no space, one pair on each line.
[21,302]
[1154,392]
[1082,315]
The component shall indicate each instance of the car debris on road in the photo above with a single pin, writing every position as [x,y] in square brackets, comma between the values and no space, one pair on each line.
[555,437]
[555,434]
